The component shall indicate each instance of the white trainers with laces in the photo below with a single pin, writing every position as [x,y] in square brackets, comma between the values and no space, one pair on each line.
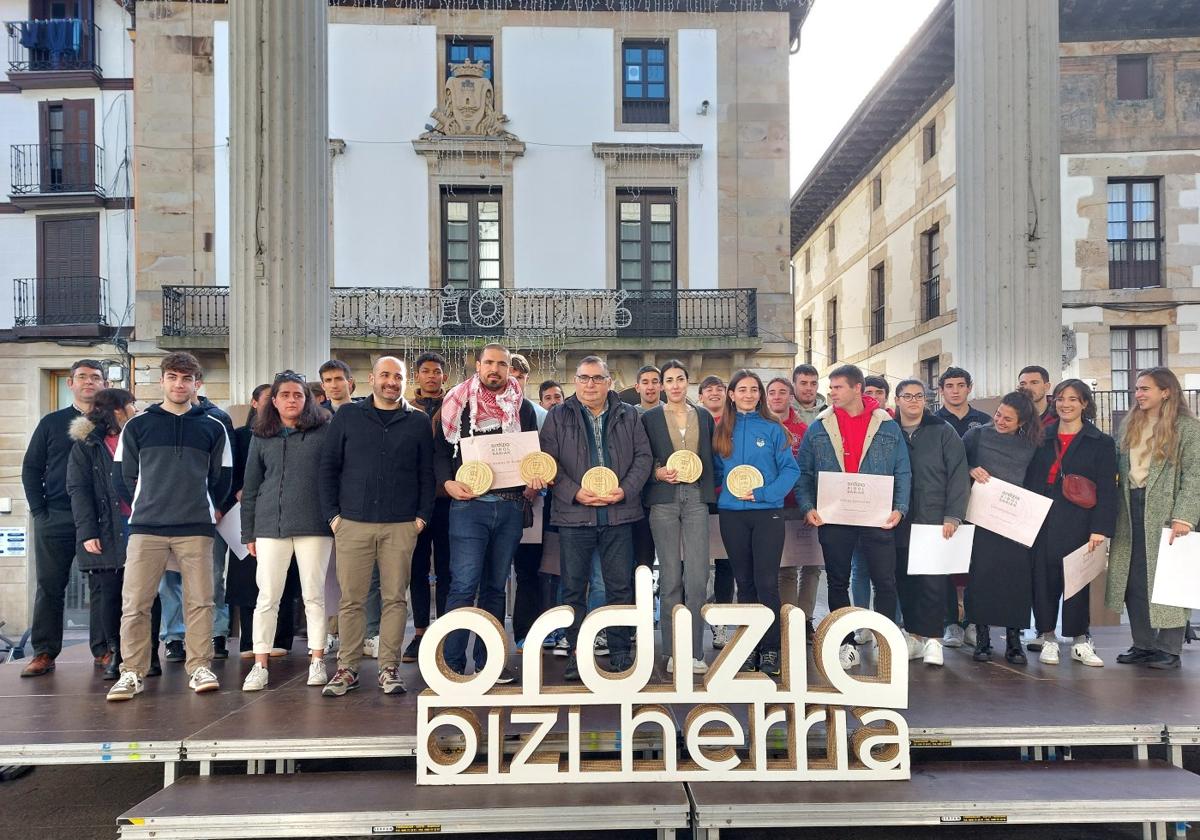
[1085,652]
[1049,654]
[916,648]
[969,636]
[699,666]
[848,656]
[128,686]
[953,637]
[203,680]
[256,680]
[720,636]
[562,647]
[316,672]
[862,637]
[371,648]
[932,653]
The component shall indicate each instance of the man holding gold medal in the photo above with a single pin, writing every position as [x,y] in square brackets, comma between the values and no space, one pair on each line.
[603,459]
[486,516]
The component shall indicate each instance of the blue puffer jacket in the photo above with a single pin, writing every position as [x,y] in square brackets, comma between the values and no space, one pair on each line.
[762,444]
[884,453]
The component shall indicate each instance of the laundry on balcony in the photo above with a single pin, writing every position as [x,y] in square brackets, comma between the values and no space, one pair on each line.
[59,38]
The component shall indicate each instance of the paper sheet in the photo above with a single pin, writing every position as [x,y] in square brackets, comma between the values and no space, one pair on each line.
[1008,510]
[854,498]
[503,453]
[1081,567]
[800,545]
[1177,575]
[230,529]
[929,553]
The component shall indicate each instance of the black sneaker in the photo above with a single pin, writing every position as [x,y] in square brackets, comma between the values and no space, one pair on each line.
[1163,661]
[571,672]
[751,663]
[219,649]
[155,666]
[175,652]
[112,670]
[620,662]
[507,675]
[1136,656]
[412,651]
[768,663]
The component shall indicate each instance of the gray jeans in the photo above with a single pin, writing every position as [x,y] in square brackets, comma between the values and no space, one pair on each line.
[680,531]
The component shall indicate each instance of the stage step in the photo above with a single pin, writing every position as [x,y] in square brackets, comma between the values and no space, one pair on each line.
[961,793]
[370,804]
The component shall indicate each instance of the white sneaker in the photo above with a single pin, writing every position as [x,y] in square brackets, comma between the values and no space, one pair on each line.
[129,685]
[203,680]
[256,680]
[970,636]
[371,648]
[1049,654]
[600,646]
[720,636]
[699,666]
[916,648]
[670,664]
[316,672]
[848,656]
[862,637]
[561,646]
[932,653]
[332,643]
[1084,652]
[953,637]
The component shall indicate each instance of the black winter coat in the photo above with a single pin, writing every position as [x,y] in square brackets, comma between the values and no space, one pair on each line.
[941,481]
[1093,455]
[94,501]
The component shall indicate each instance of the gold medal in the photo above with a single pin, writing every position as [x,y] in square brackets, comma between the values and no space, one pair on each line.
[476,475]
[538,465]
[687,465]
[743,479]
[600,481]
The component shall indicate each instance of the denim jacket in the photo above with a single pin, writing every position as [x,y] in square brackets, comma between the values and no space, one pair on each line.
[762,445]
[884,453]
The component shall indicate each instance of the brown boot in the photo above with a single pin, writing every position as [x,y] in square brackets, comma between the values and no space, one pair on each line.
[43,663]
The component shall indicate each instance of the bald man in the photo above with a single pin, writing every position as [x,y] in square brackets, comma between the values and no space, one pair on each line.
[377,492]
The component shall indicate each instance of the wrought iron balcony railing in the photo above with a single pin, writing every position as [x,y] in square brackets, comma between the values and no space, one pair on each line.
[61,44]
[392,312]
[60,301]
[48,168]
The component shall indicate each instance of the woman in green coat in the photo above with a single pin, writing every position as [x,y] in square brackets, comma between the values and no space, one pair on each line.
[1159,475]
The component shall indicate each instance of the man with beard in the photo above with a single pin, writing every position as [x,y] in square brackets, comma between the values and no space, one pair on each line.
[485,529]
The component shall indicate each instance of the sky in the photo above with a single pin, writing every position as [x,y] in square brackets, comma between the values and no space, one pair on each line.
[845,47]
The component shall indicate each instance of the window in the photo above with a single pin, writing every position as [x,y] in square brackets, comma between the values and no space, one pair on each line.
[1133,255]
[876,192]
[877,292]
[1132,349]
[931,270]
[832,231]
[808,260]
[831,328]
[646,241]
[461,50]
[645,96]
[471,238]
[808,340]
[1133,77]
[929,141]
[931,369]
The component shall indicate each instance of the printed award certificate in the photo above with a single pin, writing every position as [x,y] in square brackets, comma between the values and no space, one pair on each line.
[854,498]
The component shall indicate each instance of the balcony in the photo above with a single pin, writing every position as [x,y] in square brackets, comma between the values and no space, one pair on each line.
[60,53]
[50,175]
[692,319]
[61,307]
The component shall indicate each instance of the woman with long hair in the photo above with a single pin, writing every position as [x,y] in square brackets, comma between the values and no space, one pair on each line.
[1000,591]
[1158,482]
[101,518]
[679,510]
[1073,456]
[752,523]
[281,472]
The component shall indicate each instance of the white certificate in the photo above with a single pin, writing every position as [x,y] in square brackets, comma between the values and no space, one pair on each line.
[800,545]
[533,534]
[716,547]
[1008,510]
[854,498]
[929,553]
[503,453]
[1081,567]
[1177,575]
[230,529]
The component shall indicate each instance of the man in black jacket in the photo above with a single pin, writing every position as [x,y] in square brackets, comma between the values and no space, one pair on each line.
[484,529]
[44,477]
[376,485]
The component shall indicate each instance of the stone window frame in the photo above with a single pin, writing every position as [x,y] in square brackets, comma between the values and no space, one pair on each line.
[877,295]
[929,140]
[469,34]
[831,329]
[936,216]
[644,33]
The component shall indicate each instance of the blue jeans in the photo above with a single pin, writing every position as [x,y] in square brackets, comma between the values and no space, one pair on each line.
[615,544]
[170,593]
[220,608]
[596,584]
[484,536]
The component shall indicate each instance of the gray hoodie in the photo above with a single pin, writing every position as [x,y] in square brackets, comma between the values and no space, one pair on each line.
[279,497]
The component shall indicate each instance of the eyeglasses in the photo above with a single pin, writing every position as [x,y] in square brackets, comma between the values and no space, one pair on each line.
[598,379]
[290,376]
[910,397]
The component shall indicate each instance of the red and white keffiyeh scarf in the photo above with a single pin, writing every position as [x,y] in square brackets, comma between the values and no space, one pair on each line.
[486,405]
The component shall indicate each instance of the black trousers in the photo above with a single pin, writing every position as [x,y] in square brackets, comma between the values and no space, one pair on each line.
[434,542]
[285,625]
[527,604]
[754,540]
[643,542]
[107,587]
[1137,588]
[877,546]
[1048,590]
[54,547]
[97,637]
[921,598]
[723,583]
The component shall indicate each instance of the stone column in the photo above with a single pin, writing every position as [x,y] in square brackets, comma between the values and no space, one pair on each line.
[279,173]
[1007,259]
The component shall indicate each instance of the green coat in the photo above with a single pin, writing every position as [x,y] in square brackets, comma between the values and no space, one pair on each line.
[1163,503]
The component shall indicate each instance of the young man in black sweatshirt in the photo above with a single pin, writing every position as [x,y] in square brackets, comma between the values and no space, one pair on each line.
[173,466]
[44,477]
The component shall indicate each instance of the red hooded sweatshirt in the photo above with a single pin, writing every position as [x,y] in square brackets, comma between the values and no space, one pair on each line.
[854,433]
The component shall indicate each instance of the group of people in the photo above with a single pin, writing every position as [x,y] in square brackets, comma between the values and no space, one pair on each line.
[364,494]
